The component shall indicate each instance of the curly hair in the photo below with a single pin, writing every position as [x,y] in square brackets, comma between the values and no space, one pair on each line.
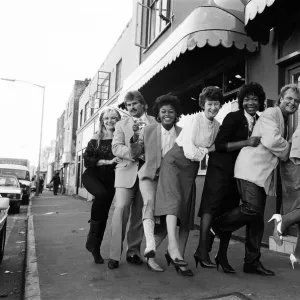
[211,93]
[166,100]
[255,89]
[294,87]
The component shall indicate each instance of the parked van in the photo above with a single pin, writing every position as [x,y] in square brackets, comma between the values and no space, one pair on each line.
[18,168]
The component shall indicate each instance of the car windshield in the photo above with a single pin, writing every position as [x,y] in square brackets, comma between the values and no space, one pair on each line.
[20,174]
[8,181]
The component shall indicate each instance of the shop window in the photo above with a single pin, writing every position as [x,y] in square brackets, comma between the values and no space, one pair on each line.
[153,16]
[203,166]
[118,75]
[234,77]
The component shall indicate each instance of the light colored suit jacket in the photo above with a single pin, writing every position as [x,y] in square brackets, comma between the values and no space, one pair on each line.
[257,164]
[126,171]
[149,143]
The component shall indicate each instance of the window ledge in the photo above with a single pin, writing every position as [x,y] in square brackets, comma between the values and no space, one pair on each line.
[288,58]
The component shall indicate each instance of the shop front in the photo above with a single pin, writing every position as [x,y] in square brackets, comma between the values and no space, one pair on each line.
[276,25]
[210,47]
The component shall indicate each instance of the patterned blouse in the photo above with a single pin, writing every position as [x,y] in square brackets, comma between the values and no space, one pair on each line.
[198,134]
[93,153]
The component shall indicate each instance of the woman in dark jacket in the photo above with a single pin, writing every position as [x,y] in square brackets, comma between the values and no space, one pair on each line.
[99,179]
[220,192]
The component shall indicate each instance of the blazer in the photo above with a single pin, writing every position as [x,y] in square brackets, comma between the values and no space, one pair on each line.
[256,164]
[126,171]
[234,128]
[149,143]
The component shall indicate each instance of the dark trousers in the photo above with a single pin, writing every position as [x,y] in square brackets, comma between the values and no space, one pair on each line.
[100,183]
[55,189]
[250,214]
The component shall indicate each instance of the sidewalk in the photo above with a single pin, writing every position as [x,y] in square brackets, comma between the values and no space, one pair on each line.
[67,271]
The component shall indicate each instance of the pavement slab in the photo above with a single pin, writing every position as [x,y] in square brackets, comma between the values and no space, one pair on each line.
[67,270]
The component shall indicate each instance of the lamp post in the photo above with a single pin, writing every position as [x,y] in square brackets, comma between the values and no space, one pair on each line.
[41,134]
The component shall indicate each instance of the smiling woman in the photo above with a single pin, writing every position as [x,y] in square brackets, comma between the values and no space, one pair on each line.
[220,192]
[175,197]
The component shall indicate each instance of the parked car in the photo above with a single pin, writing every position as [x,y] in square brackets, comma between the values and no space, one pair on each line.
[18,168]
[4,206]
[10,188]
[49,186]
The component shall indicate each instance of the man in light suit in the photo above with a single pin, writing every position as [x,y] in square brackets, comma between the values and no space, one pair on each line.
[128,199]
[255,170]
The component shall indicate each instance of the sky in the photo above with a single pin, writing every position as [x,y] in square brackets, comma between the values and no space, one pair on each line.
[51,43]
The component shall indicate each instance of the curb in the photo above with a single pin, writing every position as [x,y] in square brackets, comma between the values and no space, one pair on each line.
[32,284]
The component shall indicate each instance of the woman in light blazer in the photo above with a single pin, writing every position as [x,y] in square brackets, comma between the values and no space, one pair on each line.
[152,143]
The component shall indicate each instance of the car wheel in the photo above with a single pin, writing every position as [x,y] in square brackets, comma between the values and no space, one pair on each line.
[2,241]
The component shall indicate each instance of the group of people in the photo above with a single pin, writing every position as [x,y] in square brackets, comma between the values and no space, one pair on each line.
[149,165]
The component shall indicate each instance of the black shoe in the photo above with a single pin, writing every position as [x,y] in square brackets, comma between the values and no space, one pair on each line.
[257,268]
[185,273]
[225,265]
[205,263]
[113,264]
[175,262]
[134,259]
[97,257]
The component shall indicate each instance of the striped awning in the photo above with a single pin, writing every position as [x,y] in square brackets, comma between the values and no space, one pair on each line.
[263,15]
[215,23]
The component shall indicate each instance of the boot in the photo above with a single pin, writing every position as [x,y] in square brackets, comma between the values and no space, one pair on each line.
[150,241]
[94,240]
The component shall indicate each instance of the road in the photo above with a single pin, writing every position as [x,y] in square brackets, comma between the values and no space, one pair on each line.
[12,266]
[66,270]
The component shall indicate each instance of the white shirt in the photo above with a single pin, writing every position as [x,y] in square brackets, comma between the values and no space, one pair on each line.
[251,121]
[168,138]
[197,135]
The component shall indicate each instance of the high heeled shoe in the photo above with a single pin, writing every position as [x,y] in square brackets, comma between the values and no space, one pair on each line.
[154,266]
[225,266]
[277,234]
[186,273]
[204,263]
[175,262]
[294,260]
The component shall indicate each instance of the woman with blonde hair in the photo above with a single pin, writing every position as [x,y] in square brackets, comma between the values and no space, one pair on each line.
[99,178]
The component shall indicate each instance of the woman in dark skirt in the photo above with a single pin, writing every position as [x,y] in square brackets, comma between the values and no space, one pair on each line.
[220,192]
[174,197]
[99,179]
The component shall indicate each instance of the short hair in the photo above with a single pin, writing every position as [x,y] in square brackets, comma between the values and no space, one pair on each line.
[134,95]
[211,93]
[166,100]
[252,88]
[294,87]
